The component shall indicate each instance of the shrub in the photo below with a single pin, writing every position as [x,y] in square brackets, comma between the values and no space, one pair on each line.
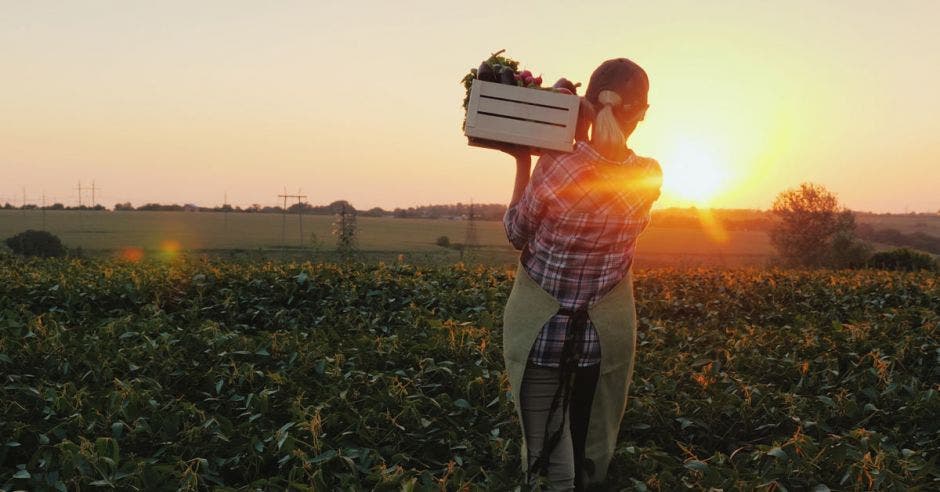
[903,259]
[443,242]
[848,252]
[36,243]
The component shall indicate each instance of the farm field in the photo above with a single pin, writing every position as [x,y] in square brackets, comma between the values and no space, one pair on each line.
[209,374]
[107,233]
[927,224]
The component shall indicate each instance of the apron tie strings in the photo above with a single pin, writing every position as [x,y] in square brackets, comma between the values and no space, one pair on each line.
[570,354]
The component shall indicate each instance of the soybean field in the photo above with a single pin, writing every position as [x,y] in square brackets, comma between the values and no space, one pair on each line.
[204,374]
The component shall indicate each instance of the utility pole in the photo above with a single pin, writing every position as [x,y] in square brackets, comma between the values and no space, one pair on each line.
[300,212]
[44,210]
[23,207]
[284,218]
[300,215]
[225,212]
[81,219]
[470,241]
[93,203]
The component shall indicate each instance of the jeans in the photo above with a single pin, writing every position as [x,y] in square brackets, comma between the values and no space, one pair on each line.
[539,387]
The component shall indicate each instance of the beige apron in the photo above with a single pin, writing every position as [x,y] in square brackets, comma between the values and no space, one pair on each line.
[614,317]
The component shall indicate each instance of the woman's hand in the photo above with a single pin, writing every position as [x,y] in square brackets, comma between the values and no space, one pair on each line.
[519,152]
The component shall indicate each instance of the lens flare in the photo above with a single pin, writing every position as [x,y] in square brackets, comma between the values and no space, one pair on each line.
[170,248]
[132,254]
[712,226]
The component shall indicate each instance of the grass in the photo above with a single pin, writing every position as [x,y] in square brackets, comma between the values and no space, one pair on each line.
[106,233]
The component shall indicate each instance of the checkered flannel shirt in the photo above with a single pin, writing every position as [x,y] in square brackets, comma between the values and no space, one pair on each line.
[578,221]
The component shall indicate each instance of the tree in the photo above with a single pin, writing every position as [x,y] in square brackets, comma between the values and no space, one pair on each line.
[845,249]
[814,230]
[344,227]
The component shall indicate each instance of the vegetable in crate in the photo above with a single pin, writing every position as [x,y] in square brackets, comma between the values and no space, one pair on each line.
[504,70]
[507,76]
[497,62]
[486,73]
[565,86]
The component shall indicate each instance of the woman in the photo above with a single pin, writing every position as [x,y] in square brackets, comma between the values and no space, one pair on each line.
[569,324]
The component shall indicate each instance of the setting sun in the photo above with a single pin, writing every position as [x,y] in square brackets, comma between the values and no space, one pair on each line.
[694,172]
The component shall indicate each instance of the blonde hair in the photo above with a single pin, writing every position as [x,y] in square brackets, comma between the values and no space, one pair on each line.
[605,132]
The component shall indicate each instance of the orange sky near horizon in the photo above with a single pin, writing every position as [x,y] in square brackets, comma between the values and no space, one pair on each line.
[184,102]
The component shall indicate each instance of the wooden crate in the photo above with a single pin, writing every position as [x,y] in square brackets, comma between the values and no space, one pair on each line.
[512,114]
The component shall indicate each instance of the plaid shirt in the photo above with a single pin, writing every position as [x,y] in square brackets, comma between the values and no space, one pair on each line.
[578,221]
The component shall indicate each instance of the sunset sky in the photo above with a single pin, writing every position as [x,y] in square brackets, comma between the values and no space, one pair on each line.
[175,101]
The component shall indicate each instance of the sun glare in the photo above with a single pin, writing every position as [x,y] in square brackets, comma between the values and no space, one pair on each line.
[694,172]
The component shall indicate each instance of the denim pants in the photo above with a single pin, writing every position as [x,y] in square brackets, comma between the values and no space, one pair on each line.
[539,387]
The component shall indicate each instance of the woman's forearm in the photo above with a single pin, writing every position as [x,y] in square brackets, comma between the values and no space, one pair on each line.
[523,167]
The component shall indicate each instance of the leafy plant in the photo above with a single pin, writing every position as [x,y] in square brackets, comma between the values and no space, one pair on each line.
[496,58]
[263,375]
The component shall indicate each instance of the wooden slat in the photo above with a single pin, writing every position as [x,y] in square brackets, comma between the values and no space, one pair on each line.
[520,110]
[521,132]
[527,140]
[540,130]
[530,95]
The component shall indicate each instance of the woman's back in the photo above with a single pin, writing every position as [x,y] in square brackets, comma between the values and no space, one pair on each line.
[579,219]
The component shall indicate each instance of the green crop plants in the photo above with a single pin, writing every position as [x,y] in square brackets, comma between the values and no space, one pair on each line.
[297,376]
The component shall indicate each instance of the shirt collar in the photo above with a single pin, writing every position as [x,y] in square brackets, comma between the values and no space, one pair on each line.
[585,148]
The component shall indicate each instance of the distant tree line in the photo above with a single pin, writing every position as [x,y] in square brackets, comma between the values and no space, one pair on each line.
[485,211]
[54,206]
[481,211]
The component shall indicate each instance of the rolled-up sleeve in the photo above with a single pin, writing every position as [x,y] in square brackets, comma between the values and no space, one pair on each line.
[520,224]
[522,219]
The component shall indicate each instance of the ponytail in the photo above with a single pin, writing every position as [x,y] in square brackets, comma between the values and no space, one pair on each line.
[605,133]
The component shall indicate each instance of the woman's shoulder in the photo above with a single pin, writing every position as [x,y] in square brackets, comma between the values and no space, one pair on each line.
[648,163]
